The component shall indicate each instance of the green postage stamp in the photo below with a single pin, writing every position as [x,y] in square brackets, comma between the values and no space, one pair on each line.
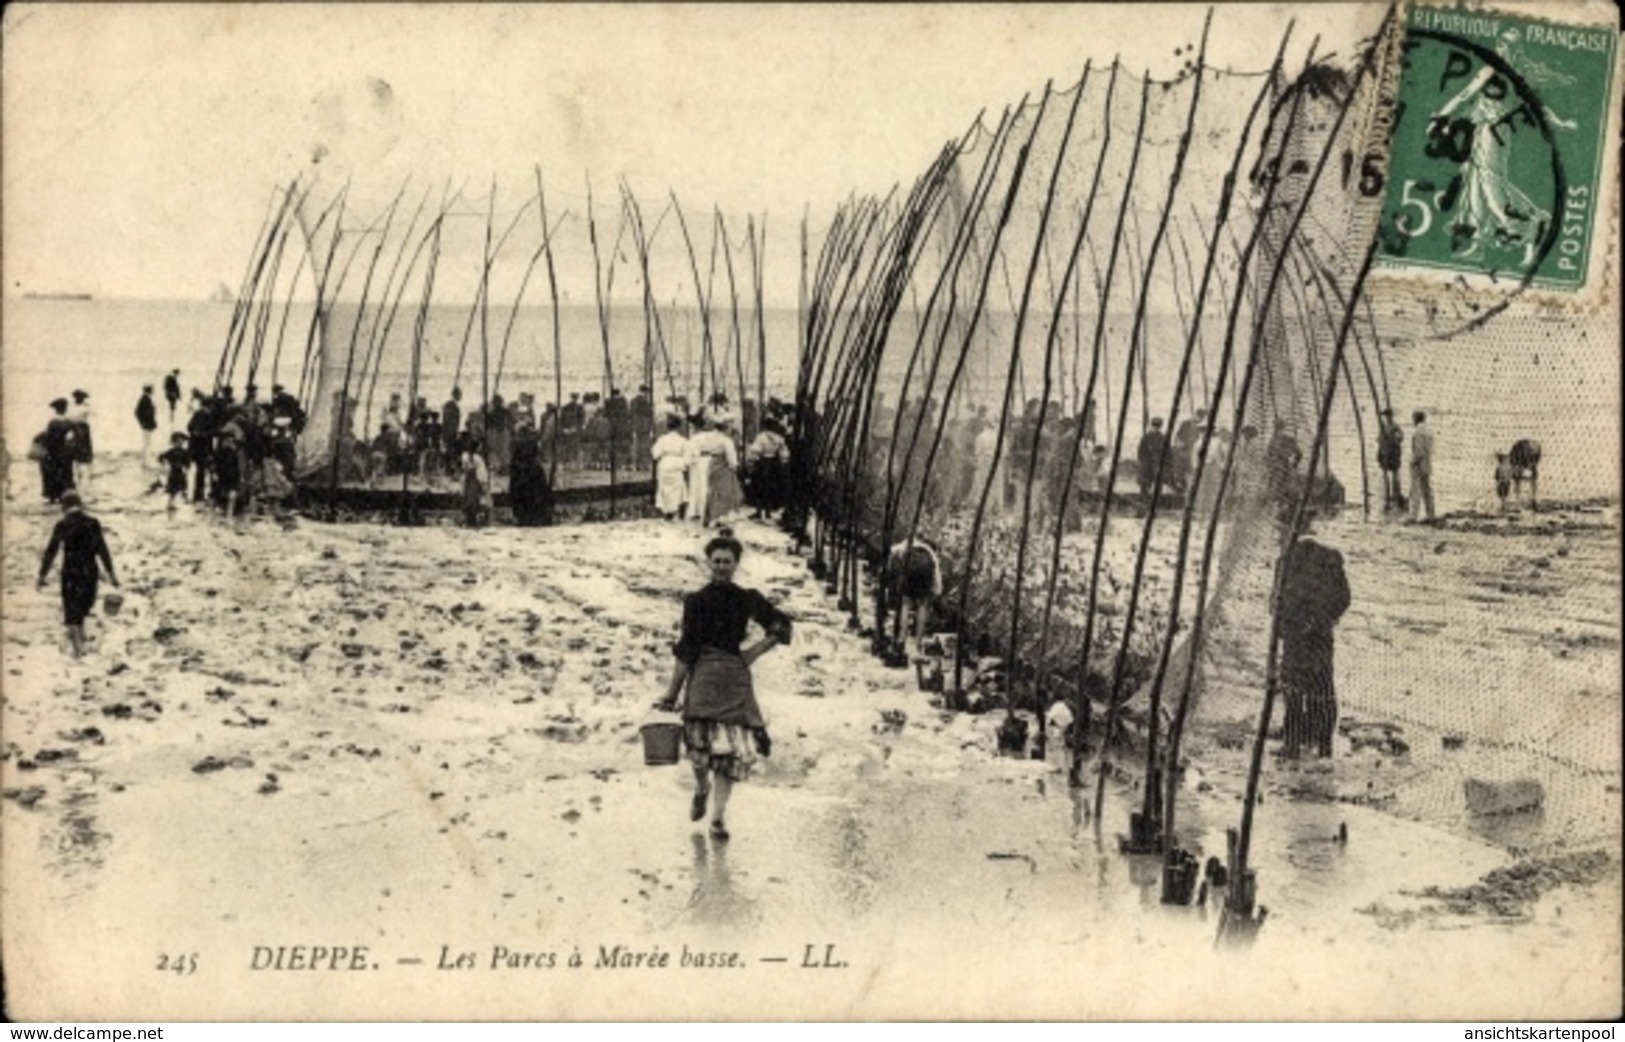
[1498,149]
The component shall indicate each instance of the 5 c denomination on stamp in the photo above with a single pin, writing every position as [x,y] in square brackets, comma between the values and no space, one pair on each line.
[1498,149]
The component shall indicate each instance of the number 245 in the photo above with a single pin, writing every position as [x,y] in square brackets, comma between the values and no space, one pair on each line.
[184,964]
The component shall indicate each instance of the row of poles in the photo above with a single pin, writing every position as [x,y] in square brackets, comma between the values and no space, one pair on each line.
[397,257]
[1295,326]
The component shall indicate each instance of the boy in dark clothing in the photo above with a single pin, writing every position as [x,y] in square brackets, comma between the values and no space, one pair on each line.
[228,473]
[175,458]
[79,537]
[201,428]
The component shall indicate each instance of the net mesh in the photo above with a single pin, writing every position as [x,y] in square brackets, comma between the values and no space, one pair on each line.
[1109,355]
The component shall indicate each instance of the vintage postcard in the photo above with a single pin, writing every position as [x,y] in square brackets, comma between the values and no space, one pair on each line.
[834,512]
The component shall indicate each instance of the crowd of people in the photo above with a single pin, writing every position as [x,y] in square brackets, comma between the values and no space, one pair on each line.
[225,452]
[590,431]
[697,465]
[1048,450]
[696,456]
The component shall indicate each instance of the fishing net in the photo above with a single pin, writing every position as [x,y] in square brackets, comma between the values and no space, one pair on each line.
[1114,357]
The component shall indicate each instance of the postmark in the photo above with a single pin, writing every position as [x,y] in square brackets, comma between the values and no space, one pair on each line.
[1497,165]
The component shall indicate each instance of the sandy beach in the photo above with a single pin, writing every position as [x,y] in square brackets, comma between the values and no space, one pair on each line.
[423,743]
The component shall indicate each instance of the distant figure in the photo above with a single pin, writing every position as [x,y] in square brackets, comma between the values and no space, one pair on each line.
[228,471]
[1185,442]
[699,467]
[1390,454]
[1314,595]
[499,434]
[201,429]
[720,494]
[451,426]
[84,453]
[723,726]
[919,583]
[286,406]
[1089,427]
[172,393]
[671,458]
[79,538]
[476,486]
[175,459]
[529,491]
[618,413]
[1503,479]
[146,417]
[1148,456]
[1525,461]
[767,463]
[985,446]
[57,443]
[1283,478]
[722,417]
[1421,466]
[1095,470]
[572,420]
[642,412]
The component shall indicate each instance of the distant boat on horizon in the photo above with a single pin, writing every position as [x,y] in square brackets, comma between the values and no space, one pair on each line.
[222,295]
[57,296]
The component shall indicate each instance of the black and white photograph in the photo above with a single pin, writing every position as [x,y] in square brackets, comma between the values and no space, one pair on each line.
[764,512]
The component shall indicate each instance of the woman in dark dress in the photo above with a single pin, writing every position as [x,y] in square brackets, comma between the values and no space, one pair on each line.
[722,724]
[529,493]
[79,538]
[56,469]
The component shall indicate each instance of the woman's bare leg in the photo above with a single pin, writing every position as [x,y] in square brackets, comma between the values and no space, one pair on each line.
[701,790]
[725,788]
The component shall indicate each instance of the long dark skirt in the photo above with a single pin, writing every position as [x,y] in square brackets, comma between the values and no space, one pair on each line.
[766,486]
[1306,685]
[530,495]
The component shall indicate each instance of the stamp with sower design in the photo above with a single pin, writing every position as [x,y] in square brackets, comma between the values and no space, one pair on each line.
[1497,156]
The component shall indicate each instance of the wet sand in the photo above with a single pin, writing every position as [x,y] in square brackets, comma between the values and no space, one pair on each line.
[424,741]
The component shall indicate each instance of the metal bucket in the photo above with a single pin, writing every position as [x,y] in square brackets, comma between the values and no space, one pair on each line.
[662,741]
[111,603]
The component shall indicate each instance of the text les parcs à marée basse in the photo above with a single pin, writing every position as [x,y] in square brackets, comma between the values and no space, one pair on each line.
[601,957]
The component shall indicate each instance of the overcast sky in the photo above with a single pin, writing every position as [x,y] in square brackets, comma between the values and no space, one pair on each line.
[141,143]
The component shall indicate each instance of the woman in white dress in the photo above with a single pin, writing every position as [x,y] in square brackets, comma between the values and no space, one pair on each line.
[712,461]
[671,454]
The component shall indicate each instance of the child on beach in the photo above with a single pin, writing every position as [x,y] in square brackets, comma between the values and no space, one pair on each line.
[228,474]
[175,459]
[78,537]
[476,486]
[1503,478]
